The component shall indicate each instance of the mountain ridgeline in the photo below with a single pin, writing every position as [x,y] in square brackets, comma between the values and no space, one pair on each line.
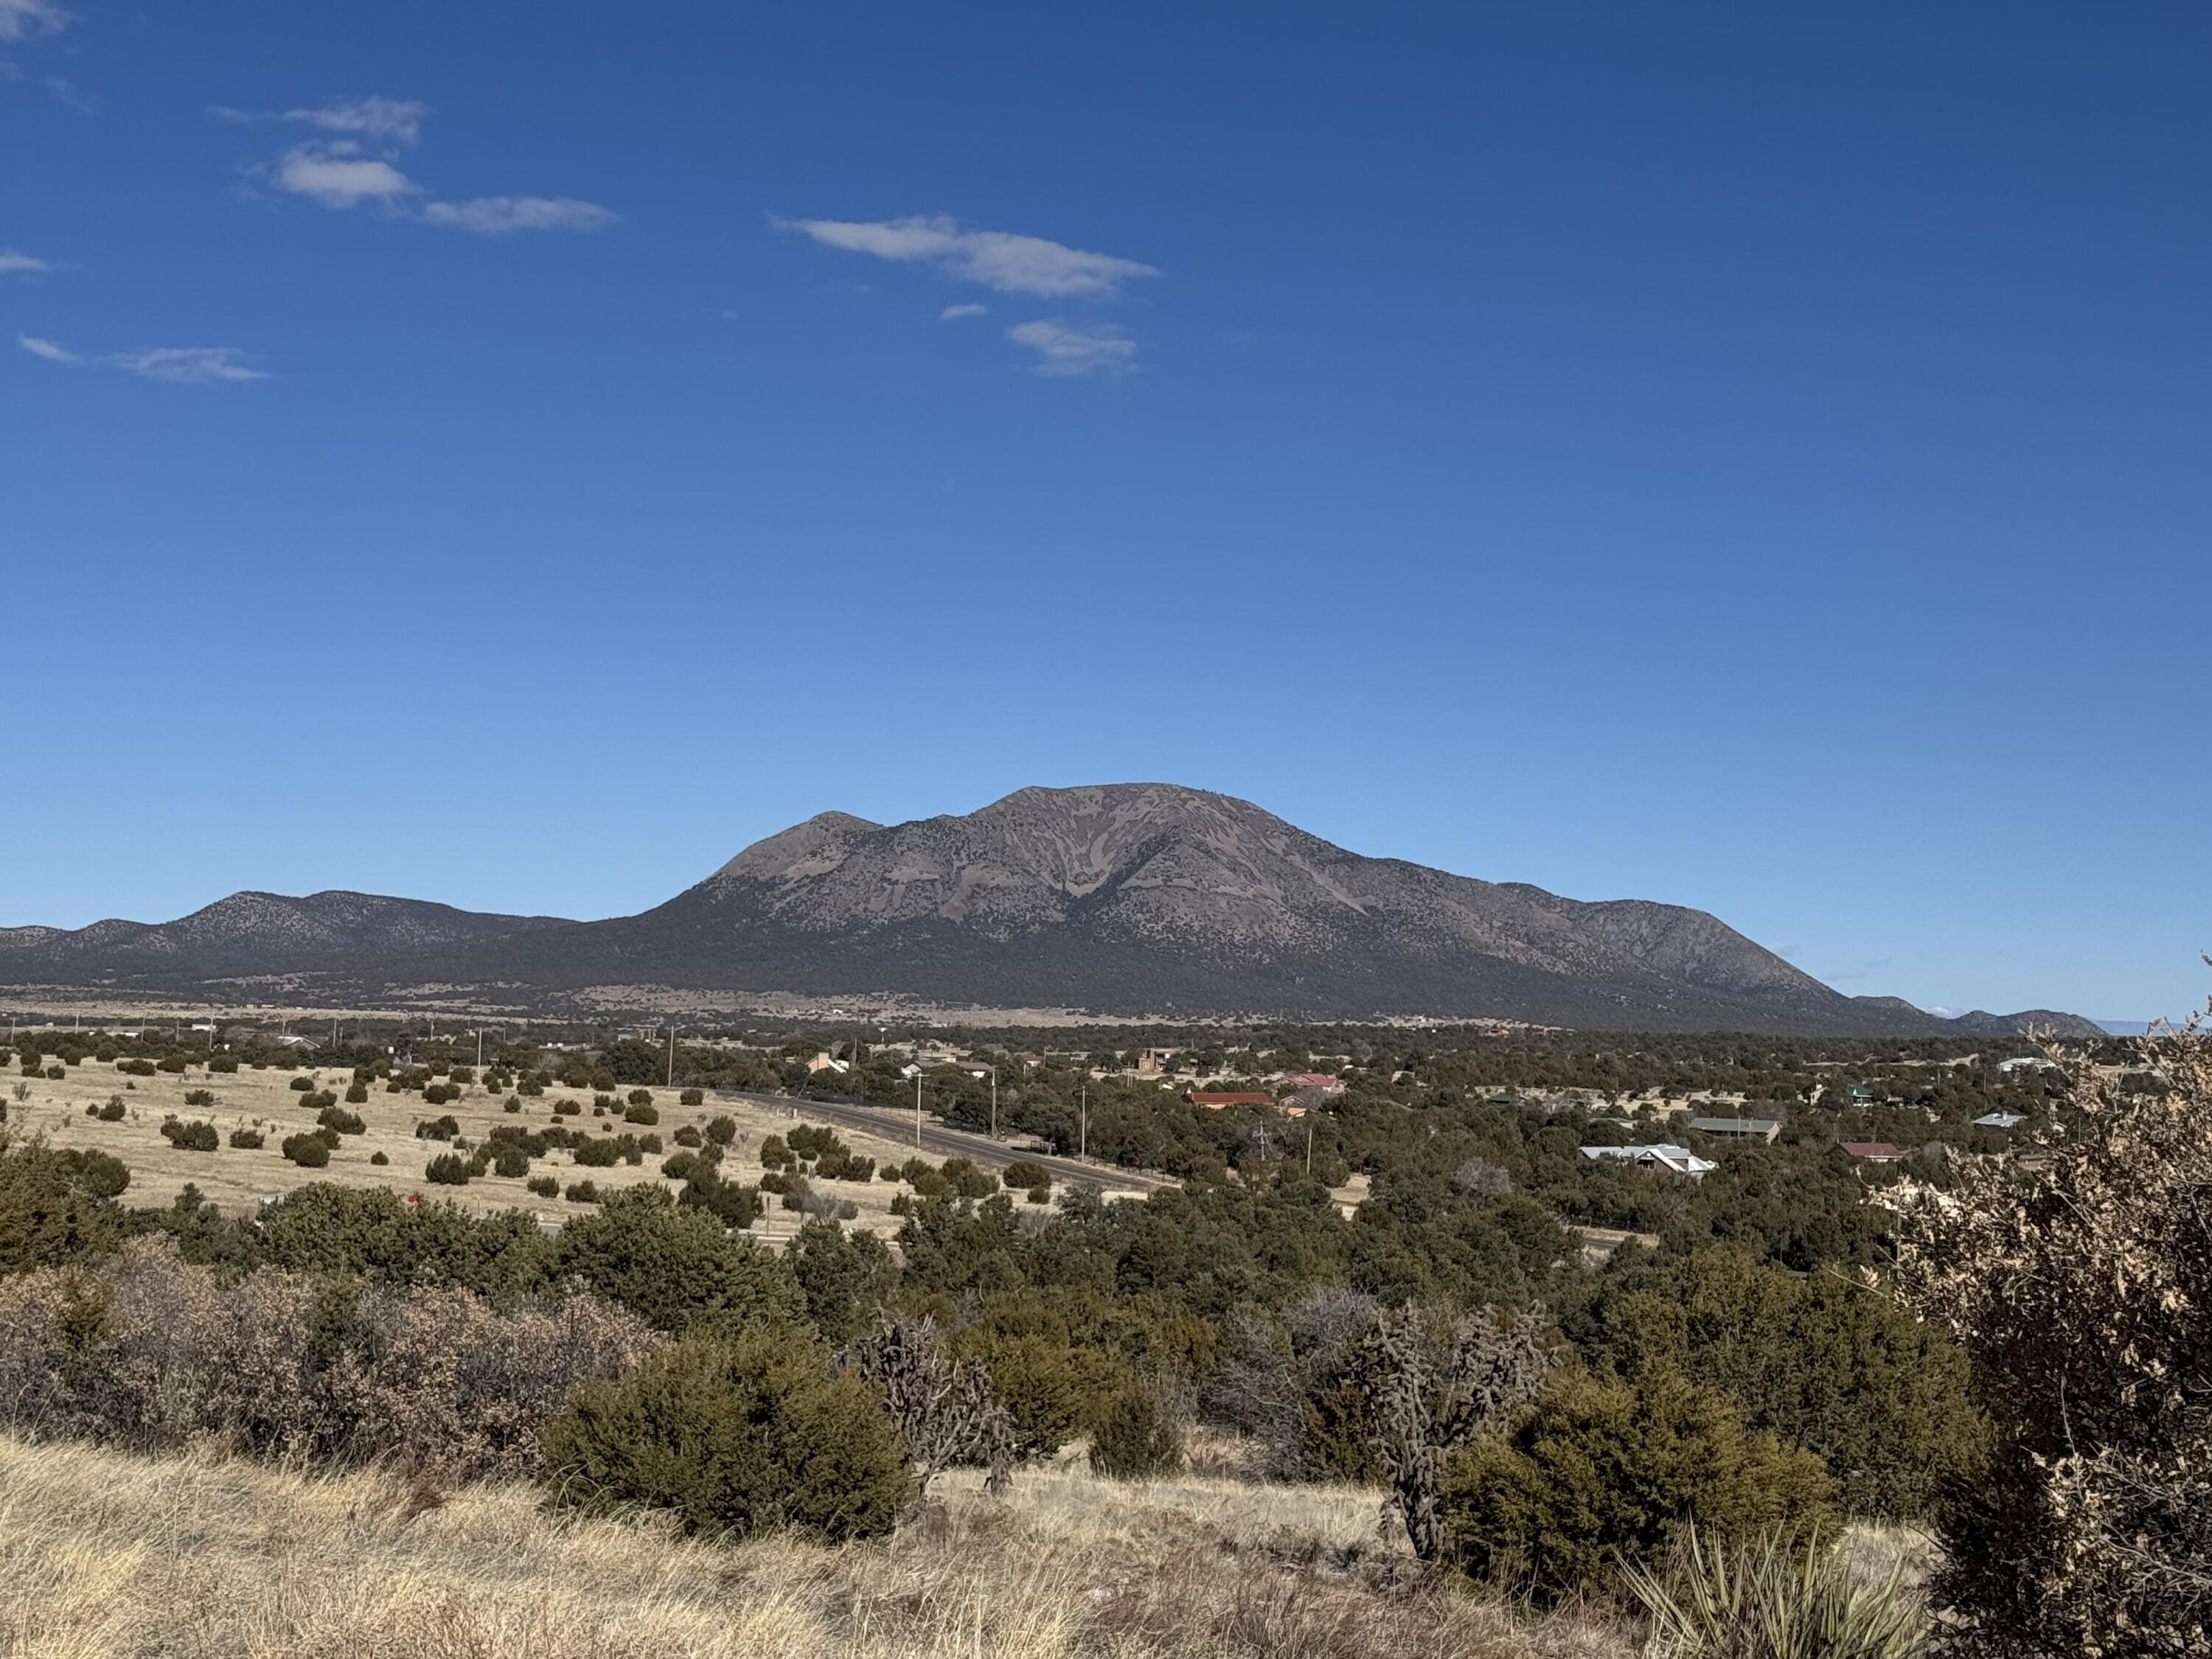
[1129,899]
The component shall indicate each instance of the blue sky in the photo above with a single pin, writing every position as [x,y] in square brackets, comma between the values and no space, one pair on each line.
[1751,456]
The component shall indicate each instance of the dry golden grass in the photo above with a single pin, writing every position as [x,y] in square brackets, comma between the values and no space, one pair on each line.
[239,1178]
[104,1556]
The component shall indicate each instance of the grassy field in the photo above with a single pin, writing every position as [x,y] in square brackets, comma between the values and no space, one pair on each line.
[104,1556]
[238,1178]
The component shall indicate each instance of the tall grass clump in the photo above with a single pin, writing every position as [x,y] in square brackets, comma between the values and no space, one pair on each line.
[1774,1598]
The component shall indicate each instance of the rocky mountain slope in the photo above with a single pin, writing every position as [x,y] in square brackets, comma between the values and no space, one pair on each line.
[1131,899]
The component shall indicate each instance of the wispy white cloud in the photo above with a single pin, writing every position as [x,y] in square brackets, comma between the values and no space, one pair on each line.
[186,365]
[501,215]
[381,120]
[330,175]
[25,20]
[357,166]
[178,365]
[12,262]
[1068,349]
[952,314]
[393,121]
[997,260]
[69,93]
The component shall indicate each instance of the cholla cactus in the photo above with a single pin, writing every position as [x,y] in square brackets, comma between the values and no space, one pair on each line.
[2079,1279]
[1423,1406]
[945,1410]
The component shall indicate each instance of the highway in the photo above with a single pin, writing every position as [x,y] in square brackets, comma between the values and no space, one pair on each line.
[895,1124]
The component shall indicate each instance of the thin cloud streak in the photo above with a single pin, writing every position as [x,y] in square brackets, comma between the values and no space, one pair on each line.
[501,215]
[177,365]
[12,262]
[953,313]
[186,365]
[997,260]
[398,120]
[385,120]
[1069,350]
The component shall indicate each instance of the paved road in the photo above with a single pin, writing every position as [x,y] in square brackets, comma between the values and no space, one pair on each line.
[896,1124]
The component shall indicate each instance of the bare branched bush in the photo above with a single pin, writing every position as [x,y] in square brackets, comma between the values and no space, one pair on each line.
[946,1413]
[2079,1280]
[1288,1385]
[1480,1178]
[149,1353]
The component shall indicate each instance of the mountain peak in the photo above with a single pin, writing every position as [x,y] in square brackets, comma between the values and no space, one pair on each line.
[818,841]
[1151,895]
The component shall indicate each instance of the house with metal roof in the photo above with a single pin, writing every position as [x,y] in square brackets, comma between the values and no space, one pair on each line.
[1738,1128]
[1873,1152]
[1675,1160]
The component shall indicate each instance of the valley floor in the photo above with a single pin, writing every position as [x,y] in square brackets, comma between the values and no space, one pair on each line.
[105,1556]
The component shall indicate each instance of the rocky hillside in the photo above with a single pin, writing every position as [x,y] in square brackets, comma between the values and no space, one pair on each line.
[1133,899]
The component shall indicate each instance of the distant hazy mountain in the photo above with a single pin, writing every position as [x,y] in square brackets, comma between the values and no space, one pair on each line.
[251,933]
[1128,898]
[1980,1025]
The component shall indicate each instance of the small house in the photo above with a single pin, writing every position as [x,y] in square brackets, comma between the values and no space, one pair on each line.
[1873,1152]
[1675,1160]
[1762,1129]
[1220,1100]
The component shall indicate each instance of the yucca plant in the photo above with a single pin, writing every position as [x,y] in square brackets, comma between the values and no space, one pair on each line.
[1777,1598]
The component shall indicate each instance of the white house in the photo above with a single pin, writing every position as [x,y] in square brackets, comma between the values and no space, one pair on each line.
[1677,1160]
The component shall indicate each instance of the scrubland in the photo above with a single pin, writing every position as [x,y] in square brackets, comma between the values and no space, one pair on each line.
[105,1555]
[237,1178]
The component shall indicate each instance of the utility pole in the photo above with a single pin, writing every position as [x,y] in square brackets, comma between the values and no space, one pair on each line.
[479,1048]
[1309,1118]
[995,1102]
[1083,1121]
[672,1053]
[917,1111]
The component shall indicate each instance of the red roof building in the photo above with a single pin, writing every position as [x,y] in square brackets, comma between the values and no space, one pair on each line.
[1216,1102]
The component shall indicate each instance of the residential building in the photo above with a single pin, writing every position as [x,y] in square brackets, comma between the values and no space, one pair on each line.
[2000,1121]
[1738,1128]
[1873,1152]
[1321,1082]
[1675,1160]
[1215,1101]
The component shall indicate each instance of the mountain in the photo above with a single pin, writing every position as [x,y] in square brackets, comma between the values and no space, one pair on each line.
[1130,899]
[1979,1023]
[254,934]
